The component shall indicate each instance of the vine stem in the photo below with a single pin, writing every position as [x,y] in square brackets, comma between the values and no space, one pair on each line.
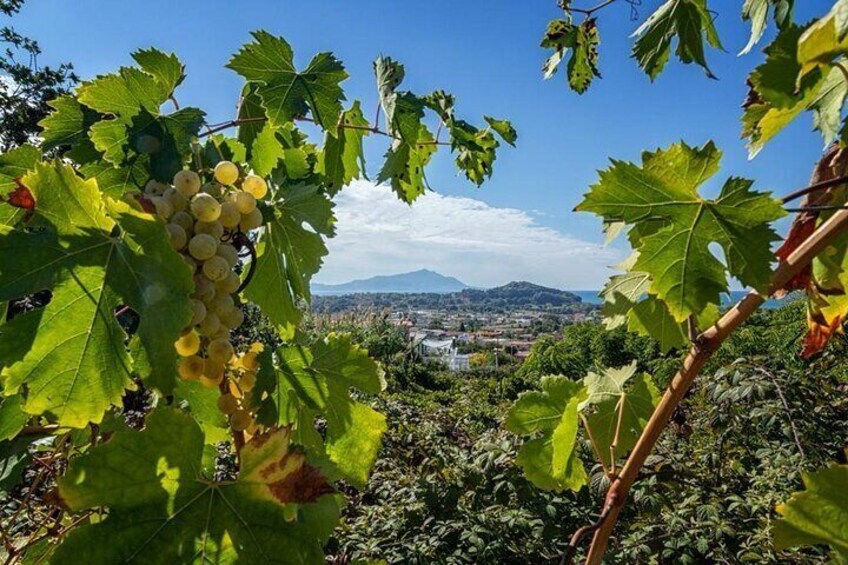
[702,349]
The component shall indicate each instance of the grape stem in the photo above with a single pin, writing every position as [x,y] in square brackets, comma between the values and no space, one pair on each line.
[242,241]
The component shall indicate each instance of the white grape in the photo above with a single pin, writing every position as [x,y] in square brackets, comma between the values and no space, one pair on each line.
[241,420]
[213,189]
[205,208]
[220,350]
[163,208]
[230,215]
[229,253]
[245,202]
[233,319]
[255,185]
[187,183]
[177,201]
[227,403]
[228,284]
[191,367]
[198,311]
[177,235]
[215,229]
[184,220]
[226,172]
[210,325]
[203,246]
[251,221]
[222,303]
[187,344]
[215,268]
[155,188]
[204,289]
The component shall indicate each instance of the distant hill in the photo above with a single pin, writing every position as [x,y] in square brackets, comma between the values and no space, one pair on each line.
[518,295]
[416,281]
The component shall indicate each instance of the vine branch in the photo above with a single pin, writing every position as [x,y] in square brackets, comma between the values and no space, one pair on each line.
[703,348]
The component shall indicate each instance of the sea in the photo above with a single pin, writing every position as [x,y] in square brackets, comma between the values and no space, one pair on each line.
[727,299]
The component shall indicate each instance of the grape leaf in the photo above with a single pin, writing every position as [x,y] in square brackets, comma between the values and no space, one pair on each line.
[342,158]
[115,181]
[475,150]
[503,128]
[817,515]
[825,39]
[550,460]
[251,114]
[202,402]
[67,124]
[12,416]
[404,166]
[13,165]
[756,11]
[690,21]
[664,190]
[581,41]
[266,151]
[290,254]
[166,69]
[123,94]
[287,93]
[315,381]
[778,95]
[162,509]
[618,412]
[89,254]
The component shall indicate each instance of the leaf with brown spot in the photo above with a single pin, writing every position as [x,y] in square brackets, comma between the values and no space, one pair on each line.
[21,197]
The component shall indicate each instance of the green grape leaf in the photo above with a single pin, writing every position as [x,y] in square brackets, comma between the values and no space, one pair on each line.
[202,402]
[550,460]
[756,11]
[12,416]
[443,104]
[67,124]
[690,21]
[475,150]
[116,181]
[166,69]
[287,93]
[817,515]
[825,40]
[403,110]
[664,190]
[291,254]
[296,162]
[123,94]
[94,256]
[314,381]
[251,115]
[13,165]
[581,42]
[621,403]
[777,95]
[404,166]
[162,508]
[266,151]
[343,158]
[503,128]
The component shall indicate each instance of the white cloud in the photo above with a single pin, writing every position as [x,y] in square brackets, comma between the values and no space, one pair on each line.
[479,244]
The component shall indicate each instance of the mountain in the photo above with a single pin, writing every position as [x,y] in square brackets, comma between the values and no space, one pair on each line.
[416,281]
[519,295]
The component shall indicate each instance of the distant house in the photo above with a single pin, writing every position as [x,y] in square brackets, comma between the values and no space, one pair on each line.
[440,348]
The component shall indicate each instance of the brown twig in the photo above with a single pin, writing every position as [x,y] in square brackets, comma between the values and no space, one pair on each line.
[813,188]
[589,11]
[568,556]
[706,344]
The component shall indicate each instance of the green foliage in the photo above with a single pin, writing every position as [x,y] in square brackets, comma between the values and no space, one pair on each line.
[818,515]
[581,42]
[757,12]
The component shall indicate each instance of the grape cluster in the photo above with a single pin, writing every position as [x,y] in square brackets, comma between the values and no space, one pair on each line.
[203,221]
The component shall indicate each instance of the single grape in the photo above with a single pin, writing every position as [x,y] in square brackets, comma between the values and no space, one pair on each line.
[177,201]
[187,183]
[229,253]
[203,246]
[250,361]
[229,284]
[223,333]
[191,367]
[210,325]
[213,373]
[177,236]
[216,268]
[155,188]
[241,420]
[163,208]
[230,216]
[204,289]
[247,380]
[188,344]
[234,389]
[234,318]
[198,311]
[255,185]
[227,403]
[226,172]
[215,229]
[222,302]
[245,202]
[185,221]
[205,208]
[220,350]
[213,189]
[251,221]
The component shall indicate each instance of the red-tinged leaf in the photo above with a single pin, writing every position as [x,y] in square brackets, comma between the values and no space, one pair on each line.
[146,204]
[21,197]
[820,330]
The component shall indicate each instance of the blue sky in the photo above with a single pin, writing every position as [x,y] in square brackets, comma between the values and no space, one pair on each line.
[520,224]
